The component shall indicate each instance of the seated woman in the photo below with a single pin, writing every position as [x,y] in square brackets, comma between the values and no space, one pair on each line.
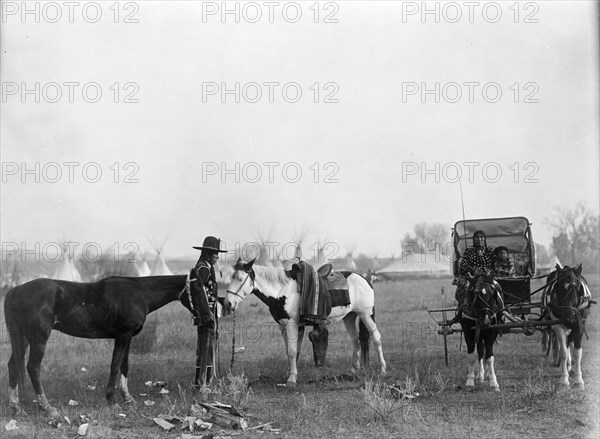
[476,261]
[503,266]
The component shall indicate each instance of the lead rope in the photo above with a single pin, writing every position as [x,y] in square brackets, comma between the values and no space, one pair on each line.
[232,346]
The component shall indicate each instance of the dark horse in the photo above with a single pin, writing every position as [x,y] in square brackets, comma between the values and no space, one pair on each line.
[568,299]
[483,307]
[115,307]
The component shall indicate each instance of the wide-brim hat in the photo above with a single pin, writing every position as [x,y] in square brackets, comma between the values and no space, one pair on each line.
[211,244]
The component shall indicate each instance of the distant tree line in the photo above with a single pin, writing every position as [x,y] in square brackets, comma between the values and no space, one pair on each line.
[576,236]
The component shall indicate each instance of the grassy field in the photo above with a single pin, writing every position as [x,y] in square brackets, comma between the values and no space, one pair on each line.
[326,403]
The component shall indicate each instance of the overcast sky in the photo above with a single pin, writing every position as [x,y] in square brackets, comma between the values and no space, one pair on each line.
[516,114]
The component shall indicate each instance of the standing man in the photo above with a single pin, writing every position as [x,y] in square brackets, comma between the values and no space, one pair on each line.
[203,286]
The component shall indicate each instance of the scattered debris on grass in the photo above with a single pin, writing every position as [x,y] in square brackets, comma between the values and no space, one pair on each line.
[83,369]
[91,387]
[266,427]
[203,416]
[225,415]
[83,429]
[165,425]
[55,422]
[73,402]
[148,402]
[11,425]
[399,393]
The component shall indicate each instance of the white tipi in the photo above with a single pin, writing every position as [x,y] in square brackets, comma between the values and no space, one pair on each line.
[66,269]
[160,268]
[142,267]
[350,264]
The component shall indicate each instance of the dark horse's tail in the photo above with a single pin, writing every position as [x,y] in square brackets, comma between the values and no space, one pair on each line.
[18,343]
[364,337]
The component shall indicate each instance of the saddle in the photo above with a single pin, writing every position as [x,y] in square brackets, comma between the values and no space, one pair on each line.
[320,290]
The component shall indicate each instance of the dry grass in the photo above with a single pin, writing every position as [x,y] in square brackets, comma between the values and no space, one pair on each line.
[326,403]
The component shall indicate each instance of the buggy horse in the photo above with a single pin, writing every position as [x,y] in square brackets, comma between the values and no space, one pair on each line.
[496,306]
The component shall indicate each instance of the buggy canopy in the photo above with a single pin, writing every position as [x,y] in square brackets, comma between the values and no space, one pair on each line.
[513,233]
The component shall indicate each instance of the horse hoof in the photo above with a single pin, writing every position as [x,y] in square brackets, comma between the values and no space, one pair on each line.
[496,389]
[130,400]
[116,408]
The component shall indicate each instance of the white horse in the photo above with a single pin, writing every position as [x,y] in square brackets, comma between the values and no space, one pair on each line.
[568,299]
[281,293]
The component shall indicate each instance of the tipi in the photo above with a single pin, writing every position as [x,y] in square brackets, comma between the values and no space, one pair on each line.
[159,268]
[350,264]
[142,267]
[66,269]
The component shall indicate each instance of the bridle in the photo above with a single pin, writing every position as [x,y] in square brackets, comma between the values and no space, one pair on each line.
[488,306]
[249,275]
[489,311]
[561,303]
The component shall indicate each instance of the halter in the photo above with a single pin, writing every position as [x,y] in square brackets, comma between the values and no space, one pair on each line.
[248,275]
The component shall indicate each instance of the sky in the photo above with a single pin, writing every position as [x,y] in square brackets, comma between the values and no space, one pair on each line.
[352,121]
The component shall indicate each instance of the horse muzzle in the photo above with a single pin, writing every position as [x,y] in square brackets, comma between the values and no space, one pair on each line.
[229,306]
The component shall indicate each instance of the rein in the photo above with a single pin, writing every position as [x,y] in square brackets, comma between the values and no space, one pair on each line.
[236,293]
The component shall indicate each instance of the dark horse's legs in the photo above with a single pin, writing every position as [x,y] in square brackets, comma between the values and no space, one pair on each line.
[127,398]
[16,369]
[36,337]
[120,358]
[474,364]
[489,337]
[478,369]
[37,348]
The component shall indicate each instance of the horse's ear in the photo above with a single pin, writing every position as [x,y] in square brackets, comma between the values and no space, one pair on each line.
[250,264]
[577,270]
[557,266]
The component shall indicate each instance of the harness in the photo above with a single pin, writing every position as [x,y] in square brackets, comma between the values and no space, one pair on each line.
[566,313]
[489,310]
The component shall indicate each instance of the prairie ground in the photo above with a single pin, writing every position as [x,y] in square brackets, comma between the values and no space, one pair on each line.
[326,402]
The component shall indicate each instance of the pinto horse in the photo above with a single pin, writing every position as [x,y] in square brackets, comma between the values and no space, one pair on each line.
[483,308]
[567,297]
[115,307]
[275,288]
